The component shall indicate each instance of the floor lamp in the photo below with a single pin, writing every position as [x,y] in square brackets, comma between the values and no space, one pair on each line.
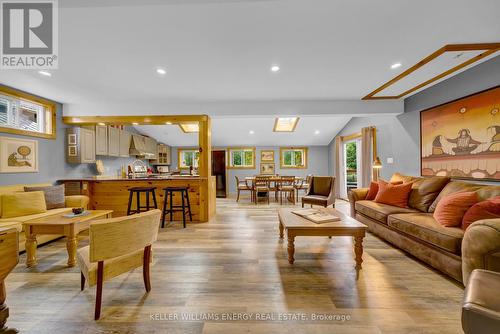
[377,165]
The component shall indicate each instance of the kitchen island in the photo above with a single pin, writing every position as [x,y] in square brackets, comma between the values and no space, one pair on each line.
[113,193]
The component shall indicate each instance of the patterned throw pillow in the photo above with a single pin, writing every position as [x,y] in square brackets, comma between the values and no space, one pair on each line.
[54,195]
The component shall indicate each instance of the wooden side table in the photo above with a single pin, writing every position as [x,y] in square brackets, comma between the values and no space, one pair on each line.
[9,257]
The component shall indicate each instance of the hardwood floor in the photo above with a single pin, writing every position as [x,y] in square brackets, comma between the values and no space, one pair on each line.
[235,265]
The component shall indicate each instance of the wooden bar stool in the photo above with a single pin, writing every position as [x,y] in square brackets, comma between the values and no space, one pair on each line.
[185,206]
[138,208]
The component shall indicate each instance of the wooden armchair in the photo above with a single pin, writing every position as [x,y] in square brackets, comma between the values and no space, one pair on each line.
[116,246]
[321,191]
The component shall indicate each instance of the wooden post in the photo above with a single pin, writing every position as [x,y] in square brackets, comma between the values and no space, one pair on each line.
[207,186]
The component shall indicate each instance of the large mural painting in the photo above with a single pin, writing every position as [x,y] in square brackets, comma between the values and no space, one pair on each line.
[461,139]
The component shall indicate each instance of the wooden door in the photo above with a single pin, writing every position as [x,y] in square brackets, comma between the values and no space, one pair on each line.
[219,171]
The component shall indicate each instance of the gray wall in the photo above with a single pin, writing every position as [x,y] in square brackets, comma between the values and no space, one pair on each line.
[317,164]
[399,136]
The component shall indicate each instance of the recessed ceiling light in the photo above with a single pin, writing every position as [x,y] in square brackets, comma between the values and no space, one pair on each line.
[396,65]
[102,124]
[285,124]
[135,123]
[168,123]
[251,132]
[316,132]
[275,68]
[47,74]
[161,71]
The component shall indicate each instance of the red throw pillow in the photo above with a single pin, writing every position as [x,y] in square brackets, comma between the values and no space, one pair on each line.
[489,209]
[451,209]
[372,192]
[393,194]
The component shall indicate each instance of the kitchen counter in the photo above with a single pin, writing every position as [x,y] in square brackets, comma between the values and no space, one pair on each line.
[113,193]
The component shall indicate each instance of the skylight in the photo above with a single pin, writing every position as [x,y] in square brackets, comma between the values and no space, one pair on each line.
[285,124]
[189,127]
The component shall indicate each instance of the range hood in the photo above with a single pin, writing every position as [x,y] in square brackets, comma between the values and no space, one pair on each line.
[138,147]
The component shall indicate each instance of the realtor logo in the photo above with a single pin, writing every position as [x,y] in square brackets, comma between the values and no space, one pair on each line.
[29,34]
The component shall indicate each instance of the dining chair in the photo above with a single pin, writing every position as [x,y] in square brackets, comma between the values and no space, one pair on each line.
[117,246]
[243,186]
[287,186]
[261,185]
[303,184]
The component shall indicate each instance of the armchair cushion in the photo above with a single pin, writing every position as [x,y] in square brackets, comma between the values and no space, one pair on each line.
[112,267]
[322,185]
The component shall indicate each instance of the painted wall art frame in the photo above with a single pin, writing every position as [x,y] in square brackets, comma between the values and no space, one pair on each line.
[18,155]
[267,155]
[267,168]
[461,138]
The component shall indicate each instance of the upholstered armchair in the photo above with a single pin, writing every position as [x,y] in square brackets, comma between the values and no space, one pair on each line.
[116,246]
[321,191]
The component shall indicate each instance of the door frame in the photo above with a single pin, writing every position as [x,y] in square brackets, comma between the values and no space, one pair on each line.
[227,180]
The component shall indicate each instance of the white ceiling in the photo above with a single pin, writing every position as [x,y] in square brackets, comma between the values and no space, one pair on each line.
[223,49]
[235,131]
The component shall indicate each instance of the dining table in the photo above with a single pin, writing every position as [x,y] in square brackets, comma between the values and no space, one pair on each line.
[272,178]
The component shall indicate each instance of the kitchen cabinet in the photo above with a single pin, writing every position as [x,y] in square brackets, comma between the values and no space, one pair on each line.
[163,156]
[125,138]
[80,145]
[101,140]
[113,142]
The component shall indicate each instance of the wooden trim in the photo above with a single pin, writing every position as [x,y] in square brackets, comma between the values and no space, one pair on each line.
[50,105]
[129,120]
[489,48]
[294,125]
[180,150]
[229,149]
[350,137]
[294,148]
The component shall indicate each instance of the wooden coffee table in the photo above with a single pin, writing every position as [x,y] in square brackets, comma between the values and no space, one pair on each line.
[58,224]
[297,226]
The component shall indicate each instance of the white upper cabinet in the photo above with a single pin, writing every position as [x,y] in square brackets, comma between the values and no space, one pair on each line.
[101,140]
[125,138]
[113,142]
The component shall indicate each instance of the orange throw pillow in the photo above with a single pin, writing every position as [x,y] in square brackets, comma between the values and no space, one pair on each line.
[393,194]
[451,209]
[372,192]
[489,209]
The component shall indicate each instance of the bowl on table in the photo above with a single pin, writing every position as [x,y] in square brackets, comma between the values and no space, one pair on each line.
[78,211]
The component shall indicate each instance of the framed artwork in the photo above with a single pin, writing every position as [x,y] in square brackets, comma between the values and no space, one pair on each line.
[461,139]
[72,151]
[72,139]
[267,155]
[18,155]
[267,168]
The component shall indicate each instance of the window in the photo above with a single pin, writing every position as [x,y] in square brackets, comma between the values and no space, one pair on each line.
[21,113]
[242,157]
[188,158]
[293,157]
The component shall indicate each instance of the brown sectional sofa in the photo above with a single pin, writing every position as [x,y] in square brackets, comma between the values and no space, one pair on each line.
[414,229]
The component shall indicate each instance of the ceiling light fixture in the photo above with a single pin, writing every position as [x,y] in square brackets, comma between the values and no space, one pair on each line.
[47,74]
[189,127]
[275,68]
[135,123]
[251,132]
[285,124]
[101,124]
[161,71]
[316,132]
[168,123]
[396,65]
